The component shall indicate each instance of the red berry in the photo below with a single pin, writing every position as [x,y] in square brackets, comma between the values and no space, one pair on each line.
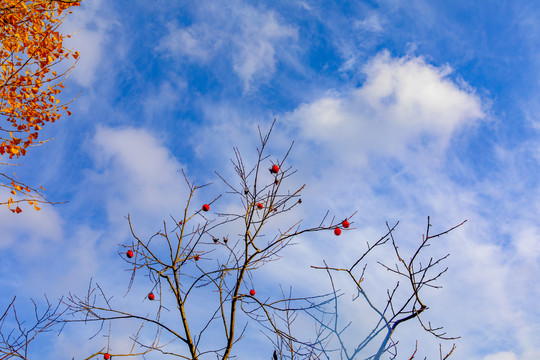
[206,207]
[274,169]
[151,296]
[129,254]
[197,257]
[337,231]
[345,224]
[252,292]
[259,206]
[106,356]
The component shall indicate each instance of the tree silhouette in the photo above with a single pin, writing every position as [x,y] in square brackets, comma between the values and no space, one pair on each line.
[201,269]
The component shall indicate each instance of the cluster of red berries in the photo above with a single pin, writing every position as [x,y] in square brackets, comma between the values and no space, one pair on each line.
[345,224]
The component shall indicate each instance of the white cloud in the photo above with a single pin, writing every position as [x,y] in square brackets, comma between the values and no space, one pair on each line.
[135,173]
[29,241]
[252,39]
[197,42]
[91,30]
[505,355]
[405,107]
[371,23]
[261,35]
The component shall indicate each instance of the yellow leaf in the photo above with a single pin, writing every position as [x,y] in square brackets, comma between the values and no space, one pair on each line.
[37,208]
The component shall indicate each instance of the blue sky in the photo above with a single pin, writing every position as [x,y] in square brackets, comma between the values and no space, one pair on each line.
[398,110]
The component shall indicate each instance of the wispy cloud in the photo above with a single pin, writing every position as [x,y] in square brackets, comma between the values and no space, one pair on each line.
[131,161]
[250,38]
[91,29]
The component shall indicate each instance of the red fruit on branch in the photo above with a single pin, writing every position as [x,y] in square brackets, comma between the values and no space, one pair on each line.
[337,231]
[206,207]
[129,254]
[345,224]
[197,257]
[252,292]
[260,205]
[151,296]
[107,356]
[274,169]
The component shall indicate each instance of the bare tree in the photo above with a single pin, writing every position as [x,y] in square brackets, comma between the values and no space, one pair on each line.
[16,334]
[199,261]
[202,278]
